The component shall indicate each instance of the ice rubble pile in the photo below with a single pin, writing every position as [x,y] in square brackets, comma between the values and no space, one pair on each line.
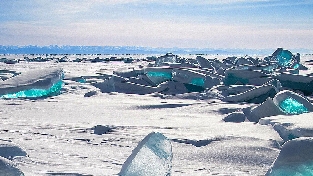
[152,156]
[237,79]
[33,84]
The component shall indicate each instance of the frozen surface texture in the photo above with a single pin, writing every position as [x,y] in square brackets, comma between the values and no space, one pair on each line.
[291,126]
[152,156]
[108,106]
[295,158]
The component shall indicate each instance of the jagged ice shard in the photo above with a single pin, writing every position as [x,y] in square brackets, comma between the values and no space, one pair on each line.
[284,58]
[33,84]
[152,156]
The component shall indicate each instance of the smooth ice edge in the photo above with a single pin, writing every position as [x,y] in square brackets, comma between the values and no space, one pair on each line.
[292,106]
[250,94]
[282,96]
[295,158]
[151,144]
[7,168]
[35,83]
[189,76]
[33,93]
[271,107]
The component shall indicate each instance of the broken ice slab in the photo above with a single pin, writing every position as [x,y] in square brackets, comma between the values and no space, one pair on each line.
[303,83]
[152,156]
[189,76]
[272,107]
[295,158]
[158,75]
[35,83]
[292,103]
[242,76]
[33,93]
[128,72]
[255,95]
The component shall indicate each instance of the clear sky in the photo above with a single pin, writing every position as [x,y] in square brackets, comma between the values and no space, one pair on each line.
[253,24]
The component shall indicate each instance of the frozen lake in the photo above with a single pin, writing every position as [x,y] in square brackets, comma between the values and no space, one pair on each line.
[58,133]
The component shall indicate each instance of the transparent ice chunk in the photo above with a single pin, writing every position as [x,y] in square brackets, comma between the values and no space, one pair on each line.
[168,58]
[295,158]
[285,58]
[304,169]
[152,156]
[292,106]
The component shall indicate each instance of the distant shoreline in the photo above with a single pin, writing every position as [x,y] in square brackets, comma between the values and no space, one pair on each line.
[133,50]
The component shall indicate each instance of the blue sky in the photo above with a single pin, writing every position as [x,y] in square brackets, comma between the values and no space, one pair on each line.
[253,24]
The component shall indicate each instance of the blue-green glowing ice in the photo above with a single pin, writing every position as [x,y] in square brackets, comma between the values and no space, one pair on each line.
[197,81]
[81,80]
[292,106]
[165,75]
[304,169]
[296,66]
[285,58]
[34,93]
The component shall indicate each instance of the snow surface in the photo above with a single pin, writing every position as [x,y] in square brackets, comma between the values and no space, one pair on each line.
[92,128]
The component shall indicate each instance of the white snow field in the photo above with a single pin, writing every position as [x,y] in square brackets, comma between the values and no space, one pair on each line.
[107,108]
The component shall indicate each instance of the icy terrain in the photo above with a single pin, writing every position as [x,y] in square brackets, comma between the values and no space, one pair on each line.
[223,116]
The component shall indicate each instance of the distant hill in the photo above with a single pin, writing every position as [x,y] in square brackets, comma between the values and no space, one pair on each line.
[55,49]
